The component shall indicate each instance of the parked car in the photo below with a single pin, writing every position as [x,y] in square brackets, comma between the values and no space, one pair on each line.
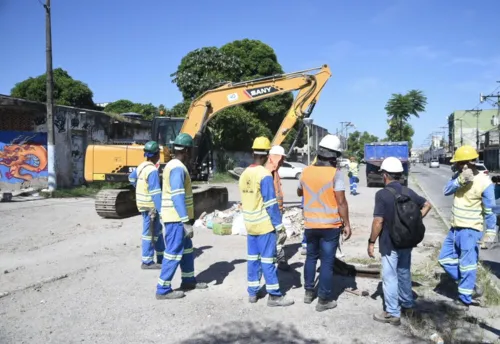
[291,169]
[343,162]
[434,163]
[481,168]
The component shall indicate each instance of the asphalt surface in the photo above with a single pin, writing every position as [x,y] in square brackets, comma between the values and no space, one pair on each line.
[432,181]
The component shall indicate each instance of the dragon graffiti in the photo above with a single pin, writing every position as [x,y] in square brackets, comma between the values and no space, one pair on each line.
[23,157]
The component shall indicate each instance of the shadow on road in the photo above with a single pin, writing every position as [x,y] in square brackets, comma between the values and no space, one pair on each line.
[290,279]
[494,267]
[250,333]
[198,251]
[218,271]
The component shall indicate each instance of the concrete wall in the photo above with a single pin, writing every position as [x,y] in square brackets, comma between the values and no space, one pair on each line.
[75,129]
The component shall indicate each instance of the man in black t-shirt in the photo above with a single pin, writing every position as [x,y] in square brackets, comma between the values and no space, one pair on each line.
[396,263]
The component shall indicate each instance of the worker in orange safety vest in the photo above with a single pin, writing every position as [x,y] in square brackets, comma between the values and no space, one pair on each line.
[326,216]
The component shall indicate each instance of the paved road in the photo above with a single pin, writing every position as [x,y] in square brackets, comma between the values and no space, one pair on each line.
[432,181]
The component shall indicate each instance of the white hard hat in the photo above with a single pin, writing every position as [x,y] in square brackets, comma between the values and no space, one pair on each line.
[391,165]
[331,142]
[278,150]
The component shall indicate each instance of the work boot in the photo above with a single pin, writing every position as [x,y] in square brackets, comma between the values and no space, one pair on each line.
[176,294]
[477,292]
[324,304]
[191,286]
[309,296]
[283,265]
[260,294]
[279,301]
[152,266]
[386,318]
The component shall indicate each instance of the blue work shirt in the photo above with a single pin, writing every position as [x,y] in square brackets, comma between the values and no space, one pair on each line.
[384,207]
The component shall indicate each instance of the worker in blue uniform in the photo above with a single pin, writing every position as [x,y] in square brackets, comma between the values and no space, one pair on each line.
[146,181]
[473,200]
[263,220]
[177,213]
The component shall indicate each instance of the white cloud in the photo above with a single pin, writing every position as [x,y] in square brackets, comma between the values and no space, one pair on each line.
[422,51]
[469,60]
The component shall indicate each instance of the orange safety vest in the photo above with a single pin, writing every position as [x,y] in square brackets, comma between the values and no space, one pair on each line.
[320,205]
[272,166]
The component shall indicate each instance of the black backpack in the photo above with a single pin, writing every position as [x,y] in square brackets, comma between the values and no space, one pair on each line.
[407,229]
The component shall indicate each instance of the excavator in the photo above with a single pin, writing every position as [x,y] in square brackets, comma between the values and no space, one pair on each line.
[113,163]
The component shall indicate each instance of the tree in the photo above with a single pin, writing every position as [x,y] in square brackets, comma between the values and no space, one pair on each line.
[356,143]
[206,68]
[394,133]
[235,129]
[400,108]
[148,111]
[67,91]
[203,69]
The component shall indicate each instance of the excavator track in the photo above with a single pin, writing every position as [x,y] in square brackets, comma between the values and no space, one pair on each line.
[120,203]
[116,203]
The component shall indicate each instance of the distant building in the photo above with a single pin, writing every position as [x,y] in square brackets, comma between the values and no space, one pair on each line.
[462,126]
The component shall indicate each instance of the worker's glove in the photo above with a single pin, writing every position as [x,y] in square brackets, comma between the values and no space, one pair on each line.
[188,230]
[466,176]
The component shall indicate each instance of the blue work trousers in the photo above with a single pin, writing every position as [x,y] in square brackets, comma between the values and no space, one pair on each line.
[304,240]
[353,184]
[396,281]
[321,244]
[152,243]
[179,250]
[262,260]
[459,256]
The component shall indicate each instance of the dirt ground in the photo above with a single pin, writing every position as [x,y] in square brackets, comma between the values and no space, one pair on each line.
[68,276]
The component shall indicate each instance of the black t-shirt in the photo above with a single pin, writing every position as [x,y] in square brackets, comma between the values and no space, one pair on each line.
[384,207]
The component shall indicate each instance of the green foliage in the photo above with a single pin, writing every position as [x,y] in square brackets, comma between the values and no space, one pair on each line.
[179,109]
[235,129]
[400,108]
[356,143]
[203,69]
[206,68]
[67,91]
[394,133]
[148,111]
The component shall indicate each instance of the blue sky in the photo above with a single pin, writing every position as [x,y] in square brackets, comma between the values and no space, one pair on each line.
[126,49]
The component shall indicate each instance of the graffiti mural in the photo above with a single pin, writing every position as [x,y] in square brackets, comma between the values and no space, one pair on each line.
[23,157]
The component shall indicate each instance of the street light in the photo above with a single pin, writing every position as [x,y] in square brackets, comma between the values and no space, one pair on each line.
[308,122]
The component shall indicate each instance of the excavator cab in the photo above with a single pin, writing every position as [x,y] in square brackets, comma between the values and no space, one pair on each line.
[166,129]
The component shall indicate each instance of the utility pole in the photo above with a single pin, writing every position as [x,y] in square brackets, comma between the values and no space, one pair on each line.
[52,182]
[476,113]
[461,132]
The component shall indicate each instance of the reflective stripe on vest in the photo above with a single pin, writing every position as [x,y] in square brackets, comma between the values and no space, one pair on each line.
[320,205]
[168,212]
[467,210]
[143,198]
[257,220]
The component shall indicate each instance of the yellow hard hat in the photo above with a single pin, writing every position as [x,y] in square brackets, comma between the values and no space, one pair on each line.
[465,153]
[261,143]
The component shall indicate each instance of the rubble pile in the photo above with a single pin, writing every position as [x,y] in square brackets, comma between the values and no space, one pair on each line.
[292,220]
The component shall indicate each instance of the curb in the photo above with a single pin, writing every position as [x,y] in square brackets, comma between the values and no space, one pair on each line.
[436,209]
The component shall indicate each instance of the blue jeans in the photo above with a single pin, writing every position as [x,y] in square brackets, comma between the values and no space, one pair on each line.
[304,241]
[396,281]
[459,256]
[321,244]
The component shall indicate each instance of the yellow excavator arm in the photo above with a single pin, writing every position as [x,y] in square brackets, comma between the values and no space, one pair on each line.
[206,106]
[303,105]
